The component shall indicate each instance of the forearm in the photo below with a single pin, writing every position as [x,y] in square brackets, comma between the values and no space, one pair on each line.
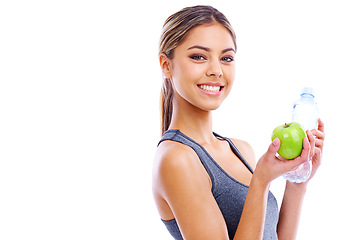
[251,225]
[290,211]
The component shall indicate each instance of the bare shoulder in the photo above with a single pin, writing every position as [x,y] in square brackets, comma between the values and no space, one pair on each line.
[173,154]
[176,161]
[246,150]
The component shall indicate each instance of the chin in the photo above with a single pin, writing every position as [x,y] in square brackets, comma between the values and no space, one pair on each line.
[210,107]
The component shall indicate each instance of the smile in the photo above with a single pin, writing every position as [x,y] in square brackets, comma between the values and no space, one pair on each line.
[208,88]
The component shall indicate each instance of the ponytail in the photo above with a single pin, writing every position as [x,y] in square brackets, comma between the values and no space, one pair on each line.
[166,106]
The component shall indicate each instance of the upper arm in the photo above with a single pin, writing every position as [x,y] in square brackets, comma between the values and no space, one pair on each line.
[184,184]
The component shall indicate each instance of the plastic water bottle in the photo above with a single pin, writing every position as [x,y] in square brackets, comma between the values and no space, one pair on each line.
[305,112]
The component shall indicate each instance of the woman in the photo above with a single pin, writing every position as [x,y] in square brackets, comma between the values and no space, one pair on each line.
[206,186]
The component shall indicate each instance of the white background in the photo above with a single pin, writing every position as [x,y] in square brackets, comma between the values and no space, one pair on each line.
[79,110]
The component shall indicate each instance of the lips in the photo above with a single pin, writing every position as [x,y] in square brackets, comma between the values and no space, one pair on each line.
[211,88]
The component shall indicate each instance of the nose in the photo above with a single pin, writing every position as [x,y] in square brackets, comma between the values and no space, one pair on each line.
[214,69]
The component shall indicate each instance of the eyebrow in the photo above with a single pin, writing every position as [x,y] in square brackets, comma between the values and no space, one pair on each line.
[208,49]
[227,50]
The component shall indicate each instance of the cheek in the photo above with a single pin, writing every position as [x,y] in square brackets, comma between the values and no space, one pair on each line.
[187,68]
[229,75]
[192,72]
[186,74]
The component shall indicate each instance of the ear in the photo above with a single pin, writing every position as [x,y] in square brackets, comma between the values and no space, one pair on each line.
[165,65]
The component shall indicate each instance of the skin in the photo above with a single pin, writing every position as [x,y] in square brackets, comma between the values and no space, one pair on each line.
[181,185]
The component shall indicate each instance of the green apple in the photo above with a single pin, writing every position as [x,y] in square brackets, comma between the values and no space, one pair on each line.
[291,137]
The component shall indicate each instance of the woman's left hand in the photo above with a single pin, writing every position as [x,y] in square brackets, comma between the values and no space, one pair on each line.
[295,192]
[318,148]
[316,138]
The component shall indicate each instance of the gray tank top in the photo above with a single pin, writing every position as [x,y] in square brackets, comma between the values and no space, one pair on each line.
[229,193]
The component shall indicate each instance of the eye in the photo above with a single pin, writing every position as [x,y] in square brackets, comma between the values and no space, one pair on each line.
[197,57]
[227,59]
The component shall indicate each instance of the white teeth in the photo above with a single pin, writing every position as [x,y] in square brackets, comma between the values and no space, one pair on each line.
[210,88]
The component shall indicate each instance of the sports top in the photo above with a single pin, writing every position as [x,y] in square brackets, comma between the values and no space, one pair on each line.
[229,193]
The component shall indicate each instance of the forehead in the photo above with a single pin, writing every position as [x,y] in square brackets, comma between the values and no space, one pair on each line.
[214,36]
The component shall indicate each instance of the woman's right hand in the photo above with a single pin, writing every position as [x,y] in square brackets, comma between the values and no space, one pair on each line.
[270,166]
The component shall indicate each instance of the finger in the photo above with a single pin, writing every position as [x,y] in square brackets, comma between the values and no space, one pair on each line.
[321,125]
[312,142]
[318,152]
[319,143]
[306,145]
[317,157]
[304,154]
[318,134]
[274,147]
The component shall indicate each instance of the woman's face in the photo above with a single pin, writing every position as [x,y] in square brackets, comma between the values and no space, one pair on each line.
[203,68]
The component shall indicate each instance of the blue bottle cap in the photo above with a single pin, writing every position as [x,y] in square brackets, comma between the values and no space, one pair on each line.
[308,90]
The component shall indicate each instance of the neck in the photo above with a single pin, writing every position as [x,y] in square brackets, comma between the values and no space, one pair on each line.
[192,121]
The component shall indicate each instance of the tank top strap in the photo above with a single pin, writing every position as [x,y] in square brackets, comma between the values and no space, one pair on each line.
[205,158]
[236,152]
[178,136]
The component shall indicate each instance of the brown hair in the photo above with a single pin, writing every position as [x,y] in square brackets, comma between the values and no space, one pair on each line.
[173,34]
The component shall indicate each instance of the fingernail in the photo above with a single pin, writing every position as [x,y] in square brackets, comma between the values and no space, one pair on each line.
[276,142]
